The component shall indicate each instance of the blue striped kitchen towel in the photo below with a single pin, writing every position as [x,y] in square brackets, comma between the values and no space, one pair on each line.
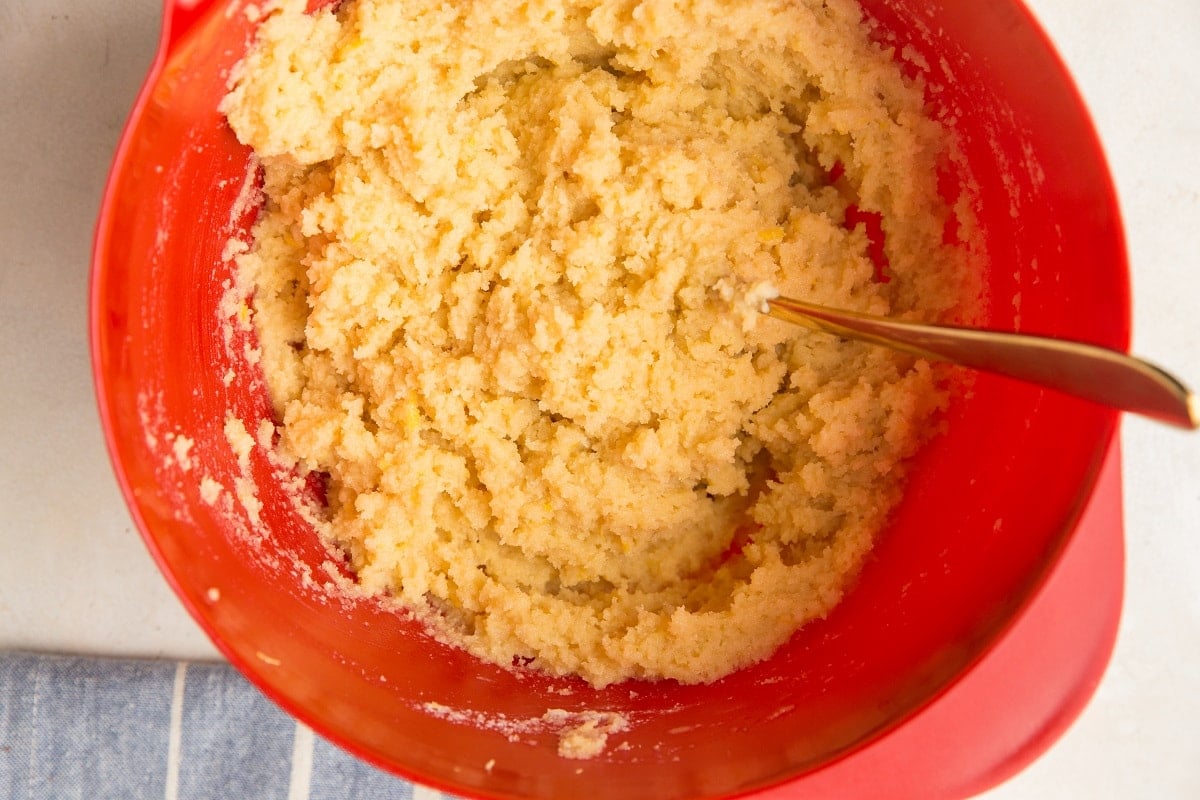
[96,728]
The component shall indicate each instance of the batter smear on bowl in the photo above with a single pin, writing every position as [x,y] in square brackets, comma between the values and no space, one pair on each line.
[493,282]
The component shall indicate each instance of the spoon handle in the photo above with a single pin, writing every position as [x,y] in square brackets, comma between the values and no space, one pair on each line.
[1094,373]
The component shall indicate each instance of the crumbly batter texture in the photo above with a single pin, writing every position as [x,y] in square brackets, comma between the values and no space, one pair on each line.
[493,290]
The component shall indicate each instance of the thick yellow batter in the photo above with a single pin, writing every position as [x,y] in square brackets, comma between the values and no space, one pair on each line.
[493,290]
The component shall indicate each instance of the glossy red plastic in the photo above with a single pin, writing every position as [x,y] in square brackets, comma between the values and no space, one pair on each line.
[990,506]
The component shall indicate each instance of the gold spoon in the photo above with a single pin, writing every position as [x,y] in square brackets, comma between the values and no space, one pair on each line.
[1094,373]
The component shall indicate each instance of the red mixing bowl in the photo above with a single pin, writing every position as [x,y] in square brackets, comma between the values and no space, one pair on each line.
[988,509]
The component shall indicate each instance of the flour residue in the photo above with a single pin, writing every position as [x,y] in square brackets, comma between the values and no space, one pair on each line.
[581,734]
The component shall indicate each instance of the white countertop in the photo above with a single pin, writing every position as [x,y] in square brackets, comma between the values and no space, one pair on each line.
[75,577]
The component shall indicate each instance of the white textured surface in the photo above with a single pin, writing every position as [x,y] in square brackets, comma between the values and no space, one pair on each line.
[74,575]
[73,572]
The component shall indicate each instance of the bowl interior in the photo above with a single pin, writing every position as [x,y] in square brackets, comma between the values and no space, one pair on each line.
[988,507]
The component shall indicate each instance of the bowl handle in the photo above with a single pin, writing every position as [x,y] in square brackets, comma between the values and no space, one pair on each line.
[178,18]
